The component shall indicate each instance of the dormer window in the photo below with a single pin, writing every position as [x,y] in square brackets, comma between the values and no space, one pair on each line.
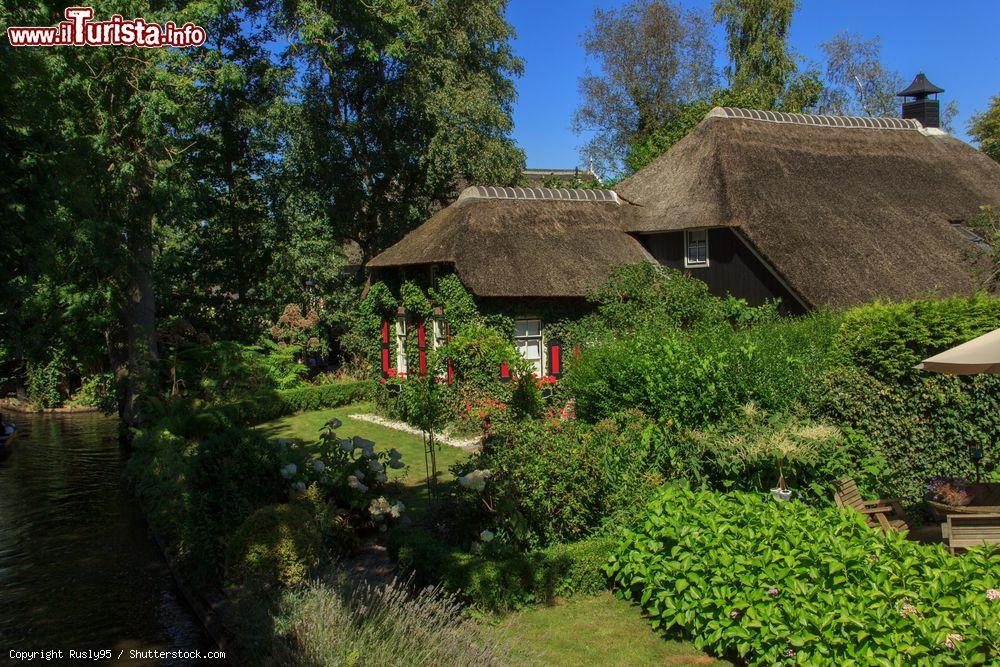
[696,248]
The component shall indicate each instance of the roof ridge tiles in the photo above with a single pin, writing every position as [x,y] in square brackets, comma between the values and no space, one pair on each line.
[540,194]
[862,122]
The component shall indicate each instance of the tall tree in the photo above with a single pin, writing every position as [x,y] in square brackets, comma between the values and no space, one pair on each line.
[217,241]
[757,44]
[653,58]
[113,129]
[399,101]
[985,129]
[857,83]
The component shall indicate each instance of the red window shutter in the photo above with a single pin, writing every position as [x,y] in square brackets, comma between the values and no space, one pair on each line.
[555,358]
[422,346]
[386,365]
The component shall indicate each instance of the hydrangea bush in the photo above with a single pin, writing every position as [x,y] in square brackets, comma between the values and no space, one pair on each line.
[348,473]
[783,583]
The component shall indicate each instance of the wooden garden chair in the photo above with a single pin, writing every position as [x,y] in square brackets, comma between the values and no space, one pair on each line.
[962,531]
[885,513]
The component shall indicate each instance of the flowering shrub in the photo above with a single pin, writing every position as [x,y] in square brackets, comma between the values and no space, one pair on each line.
[781,583]
[348,472]
[949,491]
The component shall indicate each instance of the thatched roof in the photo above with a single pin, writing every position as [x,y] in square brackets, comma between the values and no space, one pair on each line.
[523,242]
[845,210]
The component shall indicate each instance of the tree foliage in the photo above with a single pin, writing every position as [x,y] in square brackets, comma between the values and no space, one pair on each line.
[398,102]
[653,57]
[223,182]
[985,129]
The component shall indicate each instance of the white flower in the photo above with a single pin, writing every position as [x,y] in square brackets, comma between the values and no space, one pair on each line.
[396,464]
[379,507]
[475,480]
[397,509]
[289,471]
[486,536]
[299,486]
[319,466]
[376,466]
[356,484]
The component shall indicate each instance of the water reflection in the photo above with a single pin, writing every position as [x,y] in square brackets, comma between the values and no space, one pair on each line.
[77,567]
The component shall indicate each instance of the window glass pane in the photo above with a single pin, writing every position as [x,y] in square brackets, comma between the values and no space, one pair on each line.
[697,247]
[523,328]
[531,349]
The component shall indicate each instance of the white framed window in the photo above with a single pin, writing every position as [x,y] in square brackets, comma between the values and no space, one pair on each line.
[528,338]
[696,248]
[402,328]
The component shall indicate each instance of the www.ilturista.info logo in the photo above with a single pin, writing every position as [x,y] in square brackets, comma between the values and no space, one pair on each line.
[79,30]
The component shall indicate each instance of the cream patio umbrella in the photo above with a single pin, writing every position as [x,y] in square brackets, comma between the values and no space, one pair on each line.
[979,355]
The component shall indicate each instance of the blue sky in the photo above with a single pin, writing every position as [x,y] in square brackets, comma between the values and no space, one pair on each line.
[956,43]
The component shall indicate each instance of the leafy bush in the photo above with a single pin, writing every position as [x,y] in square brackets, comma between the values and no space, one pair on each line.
[781,583]
[97,391]
[888,340]
[560,480]
[260,408]
[276,543]
[501,579]
[196,493]
[372,625]
[45,380]
[923,423]
[697,377]
[226,371]
[923,427]
[744,453]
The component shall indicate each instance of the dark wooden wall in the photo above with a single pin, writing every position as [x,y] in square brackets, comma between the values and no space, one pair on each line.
[732,267]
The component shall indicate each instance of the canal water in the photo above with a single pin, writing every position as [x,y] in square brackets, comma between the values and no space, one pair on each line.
[78,569]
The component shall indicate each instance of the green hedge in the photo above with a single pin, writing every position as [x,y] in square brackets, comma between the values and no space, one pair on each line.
[783,583]
[265,407]
[923,423]
[197,493]
[500,580]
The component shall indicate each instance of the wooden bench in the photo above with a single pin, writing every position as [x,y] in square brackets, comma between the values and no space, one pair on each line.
[884,513]
[962,531]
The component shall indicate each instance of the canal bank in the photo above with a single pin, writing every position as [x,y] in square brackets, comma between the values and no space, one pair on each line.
[78,568]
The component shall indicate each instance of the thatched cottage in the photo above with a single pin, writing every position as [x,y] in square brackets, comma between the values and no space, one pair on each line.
[813,210]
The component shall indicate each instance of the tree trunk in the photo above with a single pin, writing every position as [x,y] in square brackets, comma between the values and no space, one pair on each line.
[139,311]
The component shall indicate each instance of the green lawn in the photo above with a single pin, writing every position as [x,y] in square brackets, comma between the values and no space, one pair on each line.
[305,426]
[600,630]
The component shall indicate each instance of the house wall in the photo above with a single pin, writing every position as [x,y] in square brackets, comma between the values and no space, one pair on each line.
[732,267]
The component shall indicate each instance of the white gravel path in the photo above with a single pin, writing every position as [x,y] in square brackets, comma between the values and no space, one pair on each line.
[472,444]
